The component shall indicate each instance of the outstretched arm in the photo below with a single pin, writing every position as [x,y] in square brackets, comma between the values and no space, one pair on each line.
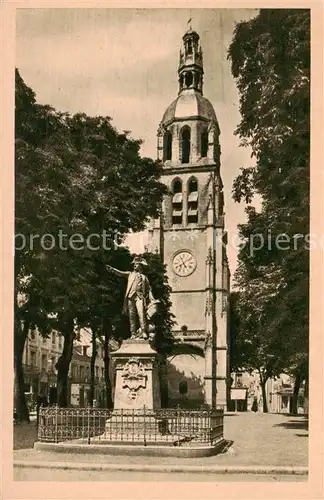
[123,274]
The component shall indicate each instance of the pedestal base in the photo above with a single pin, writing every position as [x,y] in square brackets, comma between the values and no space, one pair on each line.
[137,383]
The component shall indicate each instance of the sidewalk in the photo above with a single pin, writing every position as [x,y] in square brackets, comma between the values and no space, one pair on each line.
[262,443]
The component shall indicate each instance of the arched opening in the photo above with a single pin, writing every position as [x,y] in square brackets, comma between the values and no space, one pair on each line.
[167,146]
[189,79]
[183,387]
[177,202]
[185,374]
[181,79]
[189,47]
[185,145]
[204,143]
[193,201]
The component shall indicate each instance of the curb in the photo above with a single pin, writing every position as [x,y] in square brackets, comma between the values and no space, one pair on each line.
[131,449]
[212,469]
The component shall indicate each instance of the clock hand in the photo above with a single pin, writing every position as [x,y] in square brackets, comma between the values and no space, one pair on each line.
[184,265]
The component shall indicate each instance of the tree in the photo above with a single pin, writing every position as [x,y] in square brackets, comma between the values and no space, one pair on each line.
[86,179]
[44,170]
[270,57]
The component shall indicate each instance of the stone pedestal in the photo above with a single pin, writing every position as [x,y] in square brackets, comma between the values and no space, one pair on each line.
[137,382]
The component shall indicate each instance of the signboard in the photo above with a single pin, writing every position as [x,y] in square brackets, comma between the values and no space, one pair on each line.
[75,394]
[238,393]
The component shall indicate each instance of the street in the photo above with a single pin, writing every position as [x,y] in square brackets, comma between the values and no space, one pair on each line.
[26,474]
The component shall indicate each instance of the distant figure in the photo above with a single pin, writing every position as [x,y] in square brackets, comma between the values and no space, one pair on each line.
[41,401]
[137,298]
[255,405]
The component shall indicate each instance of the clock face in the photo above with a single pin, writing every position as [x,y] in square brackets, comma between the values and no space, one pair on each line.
[184,263]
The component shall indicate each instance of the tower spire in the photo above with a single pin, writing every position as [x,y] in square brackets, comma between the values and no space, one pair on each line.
[191,69]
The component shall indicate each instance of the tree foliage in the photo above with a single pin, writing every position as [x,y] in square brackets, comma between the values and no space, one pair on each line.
[77,178]
[270,58]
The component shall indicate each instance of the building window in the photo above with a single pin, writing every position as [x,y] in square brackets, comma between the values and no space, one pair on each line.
[97,371]
[204,143]
[44,362]
[183,388]
[185,145]
[189,79]
[102,372]
[193,201]
[60,341]
[84,350]
[33,334]
[177,202]
[181,80]
[81,372]
[53,360]
[53,338]
[239,381]
[33,358]
[167,146]
[189,47]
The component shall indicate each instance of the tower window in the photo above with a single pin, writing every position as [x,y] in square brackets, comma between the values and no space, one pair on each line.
[189,47]
[193,201]
[181,81]
[167,146]
[189,79]
[177,202]
[204,143]
[185,150]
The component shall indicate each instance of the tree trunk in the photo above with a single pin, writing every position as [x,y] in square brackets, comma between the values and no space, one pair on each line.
[306,396]
[162,367]
[108,387]
[20,336]
[92,367]
[263,382]
[63,364]
[294,402]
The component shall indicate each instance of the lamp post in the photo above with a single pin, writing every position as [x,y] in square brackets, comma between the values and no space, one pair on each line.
[214,323]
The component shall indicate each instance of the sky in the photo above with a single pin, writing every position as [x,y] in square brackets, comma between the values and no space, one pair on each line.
[123,63]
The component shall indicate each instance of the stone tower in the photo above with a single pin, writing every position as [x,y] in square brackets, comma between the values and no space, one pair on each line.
[190,236]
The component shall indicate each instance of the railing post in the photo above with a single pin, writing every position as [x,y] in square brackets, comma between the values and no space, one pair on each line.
[39,411]
[56,423]
[88,424]
[144,413]
[177,422]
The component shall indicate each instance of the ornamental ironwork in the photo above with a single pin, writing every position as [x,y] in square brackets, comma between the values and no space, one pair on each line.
[167,426]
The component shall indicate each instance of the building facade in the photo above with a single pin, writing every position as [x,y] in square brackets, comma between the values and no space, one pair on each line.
[245,388]
[39,360]
[191,237]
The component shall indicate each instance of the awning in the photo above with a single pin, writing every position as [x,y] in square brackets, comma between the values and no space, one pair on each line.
[177,198]
[238,393]
[177,211]
[193,196]
[192,211]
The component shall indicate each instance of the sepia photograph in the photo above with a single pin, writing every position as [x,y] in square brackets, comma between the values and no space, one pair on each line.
[162,238]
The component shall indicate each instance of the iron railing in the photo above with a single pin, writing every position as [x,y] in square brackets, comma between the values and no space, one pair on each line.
[171,426]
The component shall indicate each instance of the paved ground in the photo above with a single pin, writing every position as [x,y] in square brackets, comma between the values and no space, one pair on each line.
[74,475]
[258,439]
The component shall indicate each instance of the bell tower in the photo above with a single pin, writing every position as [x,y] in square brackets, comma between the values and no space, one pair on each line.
[191,236]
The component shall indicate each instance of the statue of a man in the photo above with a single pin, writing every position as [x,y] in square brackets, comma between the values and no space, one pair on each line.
[138,296]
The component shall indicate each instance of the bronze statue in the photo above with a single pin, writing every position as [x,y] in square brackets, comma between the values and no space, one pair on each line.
[138,297]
